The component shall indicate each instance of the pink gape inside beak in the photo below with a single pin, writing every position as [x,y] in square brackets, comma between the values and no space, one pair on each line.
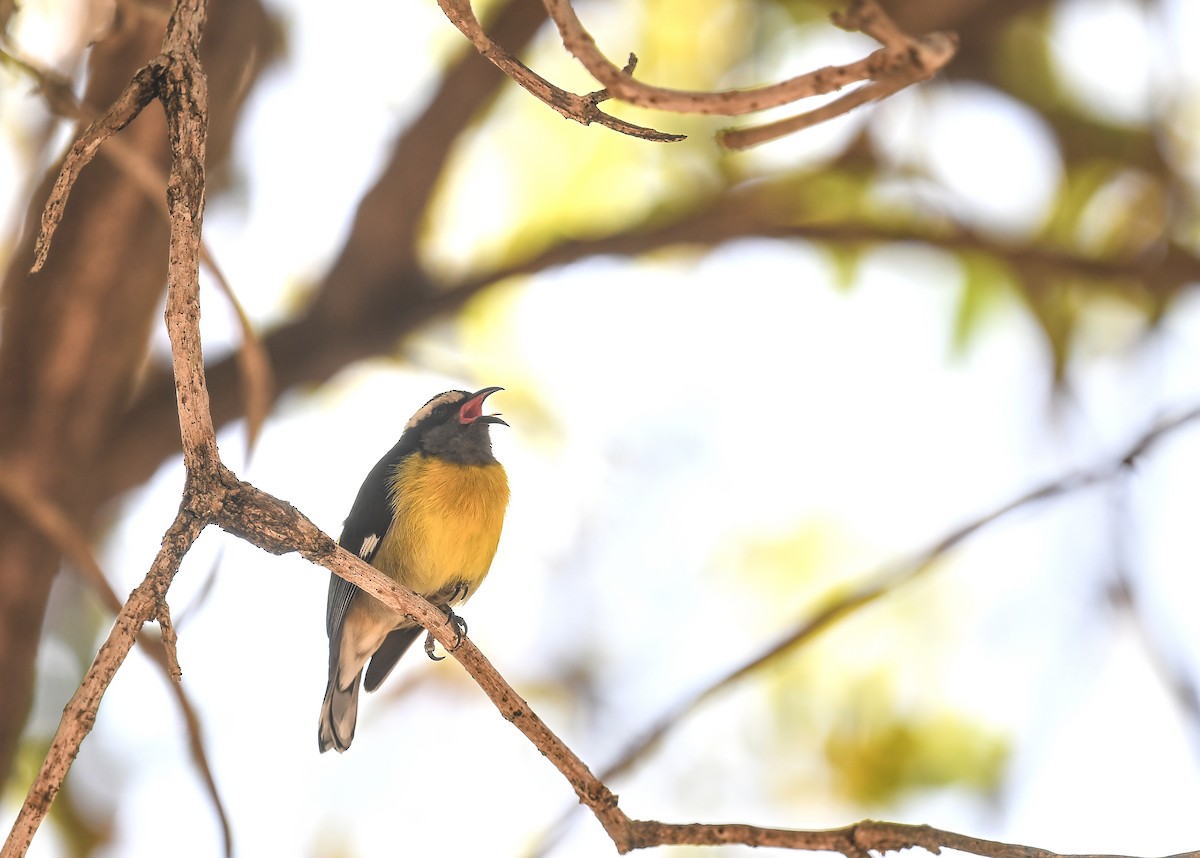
[472,409]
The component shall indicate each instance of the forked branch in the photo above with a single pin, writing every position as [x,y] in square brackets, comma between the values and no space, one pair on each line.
[901,61]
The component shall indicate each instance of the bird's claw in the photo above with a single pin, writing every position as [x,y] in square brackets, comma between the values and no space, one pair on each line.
[429,642]
[460,631]
[460,627]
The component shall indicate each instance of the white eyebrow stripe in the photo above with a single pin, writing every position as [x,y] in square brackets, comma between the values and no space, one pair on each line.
[368,546]
[427,408]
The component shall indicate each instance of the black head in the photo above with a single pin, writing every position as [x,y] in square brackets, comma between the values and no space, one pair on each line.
[452,426]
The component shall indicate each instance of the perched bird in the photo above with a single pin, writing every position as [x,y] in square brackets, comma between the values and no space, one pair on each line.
[428,515]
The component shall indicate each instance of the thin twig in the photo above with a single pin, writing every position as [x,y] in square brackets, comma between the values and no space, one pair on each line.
[1125,596]
[137,95]
[170,642]
[581,108]
[744,138]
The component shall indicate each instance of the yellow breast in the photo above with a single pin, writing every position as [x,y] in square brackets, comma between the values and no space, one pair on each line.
[446,523]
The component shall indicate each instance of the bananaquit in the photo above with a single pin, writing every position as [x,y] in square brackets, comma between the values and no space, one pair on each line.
[429,516]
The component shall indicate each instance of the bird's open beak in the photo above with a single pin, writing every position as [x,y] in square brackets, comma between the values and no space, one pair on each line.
[472,410]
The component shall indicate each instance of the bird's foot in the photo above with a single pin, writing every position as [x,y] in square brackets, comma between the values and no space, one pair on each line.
[429,643]
[460,627]
[460,632]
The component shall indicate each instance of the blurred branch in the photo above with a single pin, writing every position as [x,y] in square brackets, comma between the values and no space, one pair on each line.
[257,380]
[1181,687]
[903,60]
[1123,594]
[754,211]
[876,587]
[56,526]
[55,88]
[377,293]
[899,574]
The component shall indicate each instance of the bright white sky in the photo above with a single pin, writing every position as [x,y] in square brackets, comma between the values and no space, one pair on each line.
[655,455]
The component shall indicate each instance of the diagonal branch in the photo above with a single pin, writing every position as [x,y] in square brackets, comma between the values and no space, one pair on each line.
[744,138]
[581,108]
[876,587]
[1125,594]
[137,95]
[277,527]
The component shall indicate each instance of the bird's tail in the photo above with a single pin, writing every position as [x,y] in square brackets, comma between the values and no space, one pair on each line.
[339,713]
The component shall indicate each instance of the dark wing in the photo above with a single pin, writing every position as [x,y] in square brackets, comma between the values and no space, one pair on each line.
[365,526]
[389,652]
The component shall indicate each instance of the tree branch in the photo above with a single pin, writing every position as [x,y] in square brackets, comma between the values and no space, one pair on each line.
[902,61]
[137,95]
[854,841]
[744,138]
[277,527]
[185,101]
[581,108]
